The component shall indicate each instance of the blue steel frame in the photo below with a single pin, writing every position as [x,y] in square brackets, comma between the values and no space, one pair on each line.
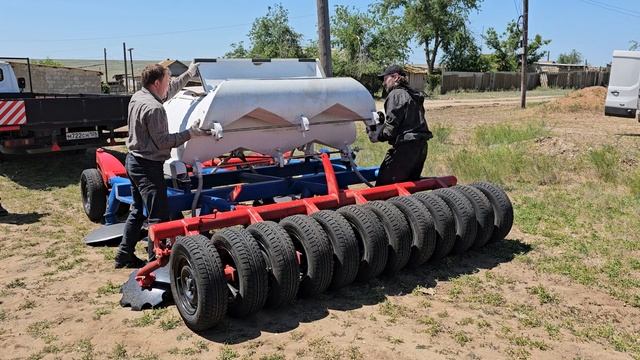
[224,189]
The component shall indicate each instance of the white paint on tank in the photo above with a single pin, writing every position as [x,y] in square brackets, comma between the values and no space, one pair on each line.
[269,116]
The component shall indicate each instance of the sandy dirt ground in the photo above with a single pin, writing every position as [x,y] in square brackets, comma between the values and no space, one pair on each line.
[59,298]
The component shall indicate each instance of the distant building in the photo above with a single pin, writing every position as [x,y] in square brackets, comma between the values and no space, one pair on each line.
[58,79]
[131,82]
[175,66]
[554,67]
[417,75]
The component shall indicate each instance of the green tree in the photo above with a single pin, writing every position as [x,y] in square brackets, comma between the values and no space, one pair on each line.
[434,24]
[49,62]
[634,45]
[573,57]
[365,42]
[270,36]
[464,55]
[238,51]
[506,47]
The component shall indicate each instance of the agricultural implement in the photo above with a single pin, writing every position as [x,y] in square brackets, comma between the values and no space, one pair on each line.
[278,207]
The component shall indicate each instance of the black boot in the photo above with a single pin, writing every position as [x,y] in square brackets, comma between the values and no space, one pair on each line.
[125,259]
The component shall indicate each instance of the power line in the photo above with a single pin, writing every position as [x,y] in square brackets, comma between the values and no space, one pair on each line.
[518,12]
[146,34]
[612,8]
[616,7]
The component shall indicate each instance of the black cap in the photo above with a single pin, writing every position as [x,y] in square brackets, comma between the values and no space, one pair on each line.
[393,69]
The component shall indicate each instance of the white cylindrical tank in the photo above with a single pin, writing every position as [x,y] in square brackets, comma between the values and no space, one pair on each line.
[269,116]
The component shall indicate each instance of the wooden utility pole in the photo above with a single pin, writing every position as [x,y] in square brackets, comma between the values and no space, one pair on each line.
[525,31]
[126,78]
[106,72]
[324,36]
[133,78]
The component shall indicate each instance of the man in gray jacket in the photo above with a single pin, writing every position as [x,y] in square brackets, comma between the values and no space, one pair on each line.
[405,128]
[149,145]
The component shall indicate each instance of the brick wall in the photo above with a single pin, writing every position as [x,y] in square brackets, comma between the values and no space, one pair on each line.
[59,80]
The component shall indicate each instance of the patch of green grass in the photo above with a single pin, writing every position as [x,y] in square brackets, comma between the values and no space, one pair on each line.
[544,296]
[27,304]
[619,339]
[552,330]
[68,265]
[394,340]
[276,356]
[321,348]
[148,318]
[39,329]
[461,337]
[528,342]
[109,289]
[393,310]
[85,348]
[227,353]
[495,164]
[109,254]
[171,322]
[506,134]
[526,315]
[605,160]
[633,182]
[119,352]
[433,327]
[100,312]
[17,283]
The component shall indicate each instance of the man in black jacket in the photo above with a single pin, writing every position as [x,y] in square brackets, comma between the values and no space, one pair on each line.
[405,128]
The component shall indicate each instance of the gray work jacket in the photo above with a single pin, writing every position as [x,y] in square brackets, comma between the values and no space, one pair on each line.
[149,136]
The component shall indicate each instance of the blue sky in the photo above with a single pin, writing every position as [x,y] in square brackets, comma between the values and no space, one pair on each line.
[184,30]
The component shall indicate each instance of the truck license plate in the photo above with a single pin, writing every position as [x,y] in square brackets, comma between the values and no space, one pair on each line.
[79,135]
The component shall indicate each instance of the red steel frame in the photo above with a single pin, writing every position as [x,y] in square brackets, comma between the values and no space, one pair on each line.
[246,215]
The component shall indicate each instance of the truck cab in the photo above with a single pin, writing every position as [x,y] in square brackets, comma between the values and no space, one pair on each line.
[623,94]
[8,81]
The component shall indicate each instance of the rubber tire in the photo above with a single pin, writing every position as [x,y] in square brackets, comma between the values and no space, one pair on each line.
[398,233]
[346,256]
[94,194]
[199,253]
[282,266]
[372,241]
[444,222]
[308,237]
[252,280]
[423,231]
[464,217]
[484,213]
[502,209]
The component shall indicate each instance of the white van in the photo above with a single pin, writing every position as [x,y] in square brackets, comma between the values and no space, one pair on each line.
[623,95]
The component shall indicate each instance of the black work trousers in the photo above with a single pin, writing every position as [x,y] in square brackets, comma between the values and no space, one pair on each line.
[403,162]
[149,192]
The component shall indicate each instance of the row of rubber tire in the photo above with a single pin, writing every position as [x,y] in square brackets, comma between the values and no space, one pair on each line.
[306,255]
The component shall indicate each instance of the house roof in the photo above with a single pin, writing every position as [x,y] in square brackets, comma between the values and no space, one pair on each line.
[169,62]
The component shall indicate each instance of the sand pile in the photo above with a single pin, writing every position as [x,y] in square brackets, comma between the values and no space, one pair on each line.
[587,99]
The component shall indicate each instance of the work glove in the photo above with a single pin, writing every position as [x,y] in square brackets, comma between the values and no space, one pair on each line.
[195,130]
[193,69]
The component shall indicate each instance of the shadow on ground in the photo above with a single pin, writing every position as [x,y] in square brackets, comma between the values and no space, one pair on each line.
[51,170]
[22,219]
[357,295]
